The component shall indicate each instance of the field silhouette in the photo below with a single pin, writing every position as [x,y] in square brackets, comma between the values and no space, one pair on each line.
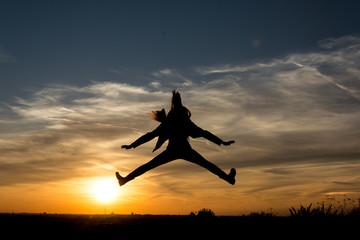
[197,225]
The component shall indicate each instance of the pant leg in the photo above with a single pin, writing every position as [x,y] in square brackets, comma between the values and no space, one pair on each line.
[195,157]
[160,159]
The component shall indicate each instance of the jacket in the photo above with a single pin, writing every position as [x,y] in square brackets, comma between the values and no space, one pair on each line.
[167,132]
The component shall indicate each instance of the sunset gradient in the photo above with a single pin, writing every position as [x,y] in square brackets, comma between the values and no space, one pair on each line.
[294,115]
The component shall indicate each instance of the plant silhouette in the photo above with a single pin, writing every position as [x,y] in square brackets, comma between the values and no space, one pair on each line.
[176,127]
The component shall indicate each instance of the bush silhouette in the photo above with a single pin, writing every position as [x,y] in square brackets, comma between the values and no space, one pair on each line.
[205,212]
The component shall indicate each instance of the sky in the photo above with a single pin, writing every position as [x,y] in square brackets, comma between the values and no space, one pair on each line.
[281,78]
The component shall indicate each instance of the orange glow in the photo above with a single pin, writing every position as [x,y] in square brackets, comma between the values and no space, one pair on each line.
[105,189]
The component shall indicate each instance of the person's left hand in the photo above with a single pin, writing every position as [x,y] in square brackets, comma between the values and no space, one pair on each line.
[228,143]
[127,147]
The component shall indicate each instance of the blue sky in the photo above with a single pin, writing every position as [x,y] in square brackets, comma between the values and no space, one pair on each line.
[77,78]
[76,42]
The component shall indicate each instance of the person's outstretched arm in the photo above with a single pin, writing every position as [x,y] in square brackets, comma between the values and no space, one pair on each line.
[199,132]
[143,139]
[211,137]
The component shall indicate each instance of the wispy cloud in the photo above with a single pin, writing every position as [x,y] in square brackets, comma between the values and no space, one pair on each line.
[5,57]
[170,78]
[72,129]
[295,121]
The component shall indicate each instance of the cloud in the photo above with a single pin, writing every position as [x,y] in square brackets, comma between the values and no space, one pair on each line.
[4,57]
[300,109]
[170,78]
[61,104]
[294,119]
[349,42]
[62,130]
[164,72]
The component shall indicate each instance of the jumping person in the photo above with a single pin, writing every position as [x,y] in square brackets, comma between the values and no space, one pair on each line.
[176,127]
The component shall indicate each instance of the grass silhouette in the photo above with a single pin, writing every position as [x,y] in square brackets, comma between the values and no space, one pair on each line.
[333,207]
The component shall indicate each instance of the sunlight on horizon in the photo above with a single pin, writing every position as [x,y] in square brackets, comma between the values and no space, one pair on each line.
[105,190]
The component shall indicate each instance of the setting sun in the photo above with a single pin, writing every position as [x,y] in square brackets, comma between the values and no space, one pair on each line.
[105,190]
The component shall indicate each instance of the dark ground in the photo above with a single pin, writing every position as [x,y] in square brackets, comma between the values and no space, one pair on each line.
[53,226]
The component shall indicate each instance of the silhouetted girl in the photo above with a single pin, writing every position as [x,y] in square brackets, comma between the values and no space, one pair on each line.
[176,127]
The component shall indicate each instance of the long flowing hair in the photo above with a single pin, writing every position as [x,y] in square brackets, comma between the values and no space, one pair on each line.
[177,110]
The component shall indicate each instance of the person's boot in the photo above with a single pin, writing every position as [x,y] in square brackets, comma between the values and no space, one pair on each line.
[121,179]
[231,176]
